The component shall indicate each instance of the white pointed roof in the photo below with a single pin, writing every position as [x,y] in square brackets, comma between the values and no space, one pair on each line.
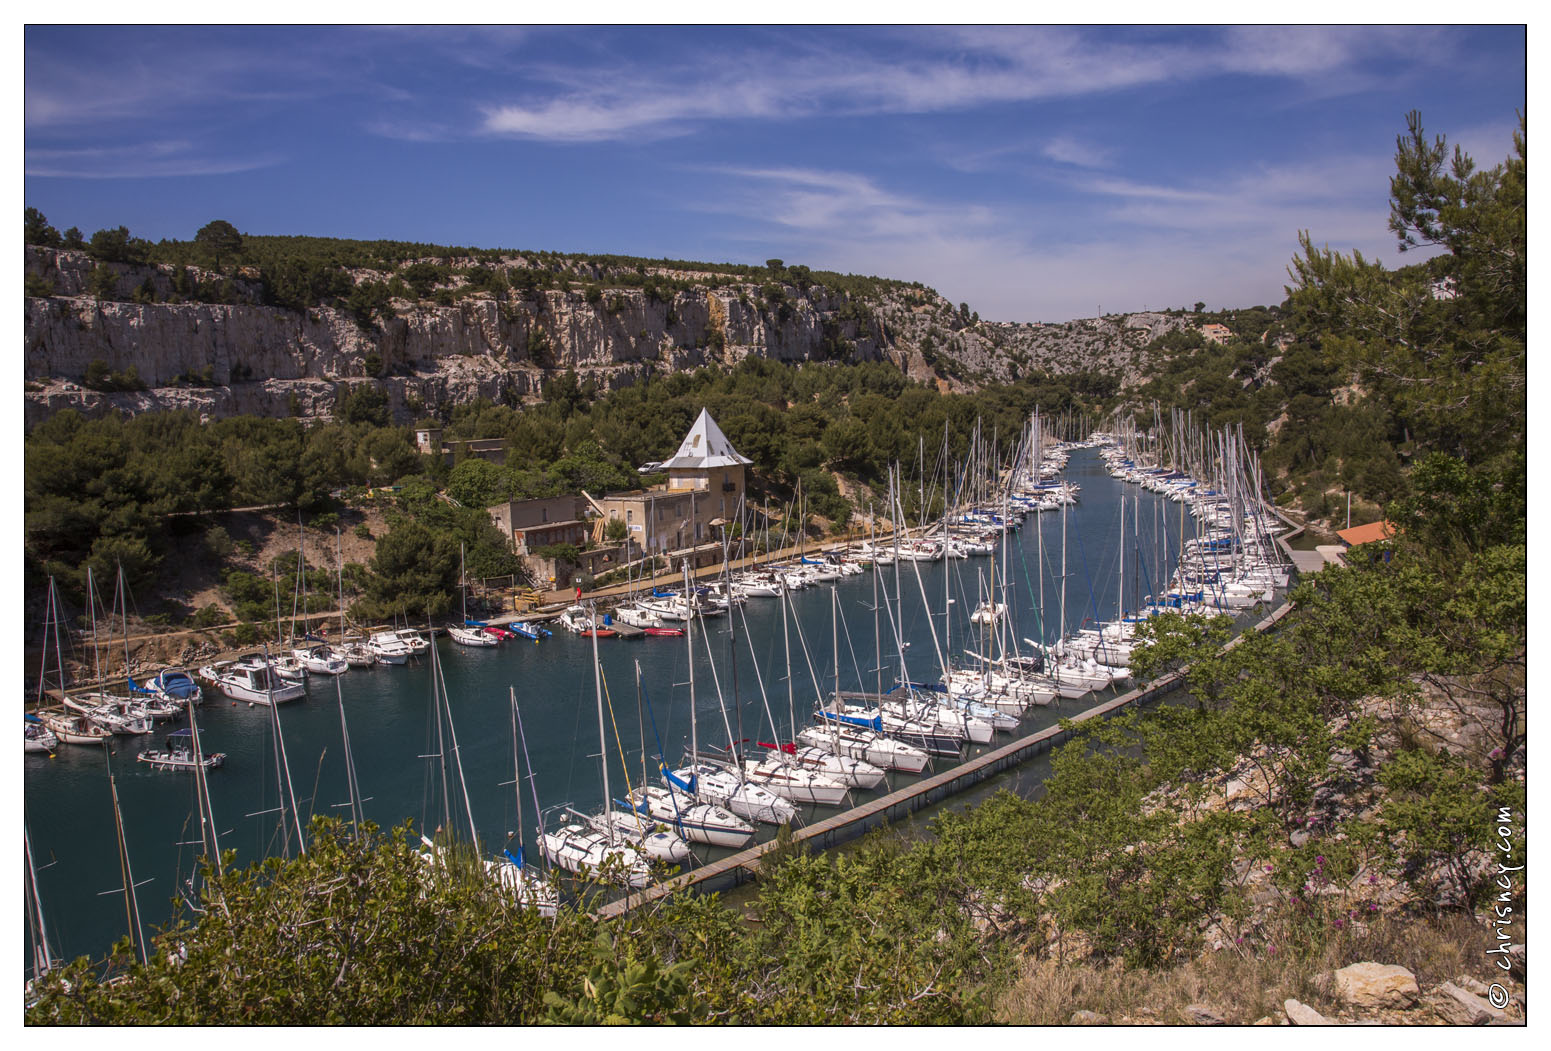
[705,446]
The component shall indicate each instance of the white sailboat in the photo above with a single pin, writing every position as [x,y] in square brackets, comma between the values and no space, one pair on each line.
[467,633]
[529,888]
[587,850]
[711,782]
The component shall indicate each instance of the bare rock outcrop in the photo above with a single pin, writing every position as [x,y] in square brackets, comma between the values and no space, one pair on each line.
[461,344]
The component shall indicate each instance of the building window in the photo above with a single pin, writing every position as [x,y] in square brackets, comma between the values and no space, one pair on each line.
[629,515]
[545,513]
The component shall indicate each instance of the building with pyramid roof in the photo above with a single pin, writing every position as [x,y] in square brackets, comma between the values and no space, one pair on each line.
[706,483]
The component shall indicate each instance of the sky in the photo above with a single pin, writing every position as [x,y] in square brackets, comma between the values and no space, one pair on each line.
[1038,173]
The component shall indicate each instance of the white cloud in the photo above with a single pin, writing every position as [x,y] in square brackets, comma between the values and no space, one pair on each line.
[140,160]
[1066,150]
[1126,246]
[948,71]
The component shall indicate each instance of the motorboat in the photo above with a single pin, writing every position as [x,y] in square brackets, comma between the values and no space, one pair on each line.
[577,619]
[416,642]
[388,648]
[250,678]
[179,754]
[321,660]
[988,613]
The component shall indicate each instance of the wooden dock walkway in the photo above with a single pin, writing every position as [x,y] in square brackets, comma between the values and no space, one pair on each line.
[848,824]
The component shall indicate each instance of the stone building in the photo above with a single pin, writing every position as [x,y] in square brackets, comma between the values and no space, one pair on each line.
[706,483]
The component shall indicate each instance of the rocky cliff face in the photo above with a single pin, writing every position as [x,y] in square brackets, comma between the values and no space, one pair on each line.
[241,357]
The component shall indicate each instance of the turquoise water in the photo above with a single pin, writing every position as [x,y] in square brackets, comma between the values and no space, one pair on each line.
[391,727]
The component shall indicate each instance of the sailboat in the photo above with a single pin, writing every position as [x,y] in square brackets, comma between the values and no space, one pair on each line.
[529,889]
[711,782]
[824,756]
[319,658]
[468,633]
[42,955]
[696,821]
[779,770]
[581,847]
[352,649]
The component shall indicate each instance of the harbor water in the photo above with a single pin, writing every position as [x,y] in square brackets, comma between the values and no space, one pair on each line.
[392,727]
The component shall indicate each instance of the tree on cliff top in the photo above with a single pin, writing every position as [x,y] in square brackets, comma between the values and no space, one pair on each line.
[38,230]
[219,237]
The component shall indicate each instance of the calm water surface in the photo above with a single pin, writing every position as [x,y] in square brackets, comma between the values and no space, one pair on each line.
[392,731]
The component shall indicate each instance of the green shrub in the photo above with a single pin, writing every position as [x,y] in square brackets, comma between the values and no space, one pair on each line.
[208,616]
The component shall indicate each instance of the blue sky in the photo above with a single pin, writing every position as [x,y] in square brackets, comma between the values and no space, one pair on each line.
[1039,174]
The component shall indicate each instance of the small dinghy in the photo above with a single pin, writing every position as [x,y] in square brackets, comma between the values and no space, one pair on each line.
[179,754]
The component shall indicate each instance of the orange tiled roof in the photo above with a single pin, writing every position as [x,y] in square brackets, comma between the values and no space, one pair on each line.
[1366,534]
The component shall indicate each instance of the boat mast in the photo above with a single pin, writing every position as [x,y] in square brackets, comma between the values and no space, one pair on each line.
[786,643]
[42,957]
[280,757]
[339,557]
[91,605]
[441,748]
[202,794]
[603,746]
[834,641]
[457,756]
[123,596]
[516,775]
[689,649]
[131,904]
[350,781]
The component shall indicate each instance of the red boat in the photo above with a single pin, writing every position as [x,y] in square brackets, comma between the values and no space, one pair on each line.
[669,633]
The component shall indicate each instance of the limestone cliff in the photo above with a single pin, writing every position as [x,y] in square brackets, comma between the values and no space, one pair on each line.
[240,356]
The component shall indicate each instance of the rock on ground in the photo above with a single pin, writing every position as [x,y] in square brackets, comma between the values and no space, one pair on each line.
[1376,985]
[1302,1014]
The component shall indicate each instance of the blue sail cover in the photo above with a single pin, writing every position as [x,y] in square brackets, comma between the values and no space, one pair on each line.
[875,723]
[514,859]
[674,779]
